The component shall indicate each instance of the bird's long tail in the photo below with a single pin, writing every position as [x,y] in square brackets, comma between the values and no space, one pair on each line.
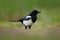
[16,21]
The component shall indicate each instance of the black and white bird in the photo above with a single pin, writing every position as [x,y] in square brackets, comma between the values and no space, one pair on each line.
[28,20]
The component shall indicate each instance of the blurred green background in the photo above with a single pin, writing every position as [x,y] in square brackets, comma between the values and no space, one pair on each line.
[47,26]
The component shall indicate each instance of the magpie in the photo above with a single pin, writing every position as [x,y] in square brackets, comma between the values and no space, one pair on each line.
[30,19]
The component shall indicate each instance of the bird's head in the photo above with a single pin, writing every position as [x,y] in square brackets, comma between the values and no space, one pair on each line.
[35,12]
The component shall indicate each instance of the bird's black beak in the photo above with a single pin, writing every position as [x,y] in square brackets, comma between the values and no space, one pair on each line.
[39,12]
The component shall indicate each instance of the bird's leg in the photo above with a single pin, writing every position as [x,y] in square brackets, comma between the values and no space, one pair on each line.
[29,27]
[25,27]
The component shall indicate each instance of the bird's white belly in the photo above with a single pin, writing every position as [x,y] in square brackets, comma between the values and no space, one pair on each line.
[27,23]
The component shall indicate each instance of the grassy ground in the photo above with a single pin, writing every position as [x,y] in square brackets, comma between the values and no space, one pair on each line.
[39,31]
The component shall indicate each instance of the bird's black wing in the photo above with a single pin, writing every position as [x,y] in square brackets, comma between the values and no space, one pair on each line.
[23,19]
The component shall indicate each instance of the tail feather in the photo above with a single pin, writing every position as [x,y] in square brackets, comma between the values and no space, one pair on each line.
[15,21]
[18,21]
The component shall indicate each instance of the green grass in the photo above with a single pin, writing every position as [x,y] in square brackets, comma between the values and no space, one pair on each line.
[14,9]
